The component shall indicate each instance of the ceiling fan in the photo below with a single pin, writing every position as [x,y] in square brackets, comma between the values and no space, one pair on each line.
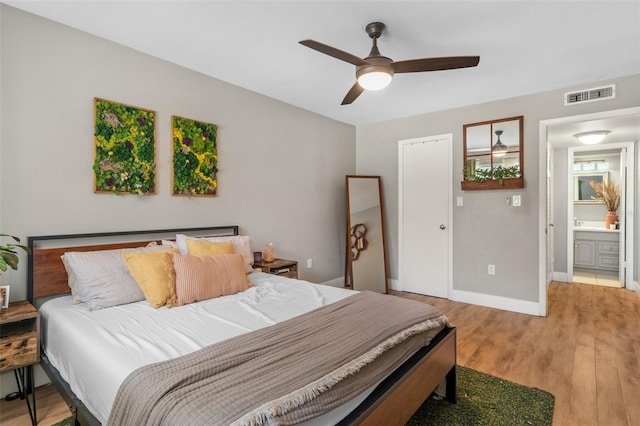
[376,71]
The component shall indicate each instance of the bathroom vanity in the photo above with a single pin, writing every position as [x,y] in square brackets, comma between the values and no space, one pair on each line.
[596,248]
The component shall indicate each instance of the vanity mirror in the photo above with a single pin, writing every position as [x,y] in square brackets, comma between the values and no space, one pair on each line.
[583,192]
[493,154]
[366,258]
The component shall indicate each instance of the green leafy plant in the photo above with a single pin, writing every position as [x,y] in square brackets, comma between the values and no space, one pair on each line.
[195,157]
[498,173]
[8,255]
[124,149]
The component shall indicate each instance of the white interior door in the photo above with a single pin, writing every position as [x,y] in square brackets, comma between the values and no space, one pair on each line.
[424,212]
[623,208]
[628,210]
[550,254]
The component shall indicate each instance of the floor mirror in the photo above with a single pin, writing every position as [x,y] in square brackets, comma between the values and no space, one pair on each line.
[366,257]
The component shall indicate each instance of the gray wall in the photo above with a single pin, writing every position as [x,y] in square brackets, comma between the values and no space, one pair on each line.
[485,229]
[281,168]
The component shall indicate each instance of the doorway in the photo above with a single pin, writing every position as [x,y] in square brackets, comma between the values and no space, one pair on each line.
[562,215]
[596,254]
[424,215]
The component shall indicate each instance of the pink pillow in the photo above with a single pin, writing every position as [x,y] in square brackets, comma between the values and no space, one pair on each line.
[197,278]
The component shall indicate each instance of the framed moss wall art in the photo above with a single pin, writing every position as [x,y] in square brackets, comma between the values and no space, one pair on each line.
[195,157]
[124,139]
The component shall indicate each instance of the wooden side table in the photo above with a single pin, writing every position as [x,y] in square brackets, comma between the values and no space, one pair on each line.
[282,267]
[20,348]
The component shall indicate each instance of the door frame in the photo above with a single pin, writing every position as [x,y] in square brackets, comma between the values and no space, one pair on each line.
[542,190]
[627,187]
[448,137]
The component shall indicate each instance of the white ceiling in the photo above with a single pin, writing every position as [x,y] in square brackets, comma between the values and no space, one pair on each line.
[524,46]
[622,129]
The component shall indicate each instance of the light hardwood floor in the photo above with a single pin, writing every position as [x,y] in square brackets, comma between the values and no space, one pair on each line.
[586,353]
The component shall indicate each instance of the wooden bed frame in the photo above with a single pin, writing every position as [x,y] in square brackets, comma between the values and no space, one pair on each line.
[393,402]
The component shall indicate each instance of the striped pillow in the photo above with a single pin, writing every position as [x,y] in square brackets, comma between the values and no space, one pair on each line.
[197,278]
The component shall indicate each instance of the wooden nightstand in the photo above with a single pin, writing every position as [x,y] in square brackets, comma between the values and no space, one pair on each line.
[282,267]
[20,348]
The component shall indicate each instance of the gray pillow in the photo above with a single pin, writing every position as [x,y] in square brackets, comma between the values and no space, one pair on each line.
[101,278]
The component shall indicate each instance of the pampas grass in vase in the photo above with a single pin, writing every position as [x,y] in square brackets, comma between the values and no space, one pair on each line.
[609,195]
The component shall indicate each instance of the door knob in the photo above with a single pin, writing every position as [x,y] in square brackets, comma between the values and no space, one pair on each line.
[443,226]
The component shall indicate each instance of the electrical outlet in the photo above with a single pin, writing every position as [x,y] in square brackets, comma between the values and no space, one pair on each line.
[460,201]
[309,263]
[517,201]
[491,270]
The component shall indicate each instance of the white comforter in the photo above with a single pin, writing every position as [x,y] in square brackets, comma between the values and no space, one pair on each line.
[95,350]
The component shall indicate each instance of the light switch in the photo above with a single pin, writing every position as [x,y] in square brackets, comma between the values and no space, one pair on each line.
[459,201]
[516,201]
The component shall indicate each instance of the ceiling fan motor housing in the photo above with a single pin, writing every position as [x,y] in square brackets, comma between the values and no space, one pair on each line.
[376,64]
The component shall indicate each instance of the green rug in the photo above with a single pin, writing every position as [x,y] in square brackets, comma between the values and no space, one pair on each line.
[487,400]
[482,400]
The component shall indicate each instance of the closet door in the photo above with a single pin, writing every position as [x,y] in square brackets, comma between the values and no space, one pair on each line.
[424,214]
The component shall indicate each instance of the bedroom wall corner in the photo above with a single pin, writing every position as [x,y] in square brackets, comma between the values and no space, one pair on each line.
[281,172]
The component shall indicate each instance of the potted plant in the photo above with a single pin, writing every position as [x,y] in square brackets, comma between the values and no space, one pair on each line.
[609,195]
[9,259]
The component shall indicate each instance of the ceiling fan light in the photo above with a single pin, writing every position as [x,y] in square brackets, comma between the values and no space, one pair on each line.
[374,80]
[592,138]
[499,149]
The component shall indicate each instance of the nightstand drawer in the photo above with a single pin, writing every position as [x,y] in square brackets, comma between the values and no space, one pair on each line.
[19,336]
[18,350]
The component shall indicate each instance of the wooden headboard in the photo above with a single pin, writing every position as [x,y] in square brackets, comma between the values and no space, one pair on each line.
[46,275]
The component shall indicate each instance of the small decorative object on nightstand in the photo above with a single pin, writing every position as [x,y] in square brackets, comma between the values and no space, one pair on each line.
[282,267]
[268,253]
[20,348]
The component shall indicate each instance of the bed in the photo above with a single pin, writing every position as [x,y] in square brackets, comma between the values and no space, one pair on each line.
[90,375]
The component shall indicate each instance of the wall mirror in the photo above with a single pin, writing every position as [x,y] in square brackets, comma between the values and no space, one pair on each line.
[583,192]
[493,157]
[366,258]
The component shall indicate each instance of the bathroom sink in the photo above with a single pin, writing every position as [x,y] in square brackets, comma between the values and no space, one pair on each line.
[590,224]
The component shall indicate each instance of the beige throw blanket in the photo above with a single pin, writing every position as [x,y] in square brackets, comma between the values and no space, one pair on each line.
[283,374]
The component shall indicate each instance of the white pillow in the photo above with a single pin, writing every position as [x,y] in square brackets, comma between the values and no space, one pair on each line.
[101,279]
[241,245]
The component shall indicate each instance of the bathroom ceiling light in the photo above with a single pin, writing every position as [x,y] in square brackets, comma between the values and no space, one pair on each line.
[592,138]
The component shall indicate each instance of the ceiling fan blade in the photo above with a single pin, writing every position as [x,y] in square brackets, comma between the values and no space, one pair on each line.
[435,64]
[353,94]
[332,51]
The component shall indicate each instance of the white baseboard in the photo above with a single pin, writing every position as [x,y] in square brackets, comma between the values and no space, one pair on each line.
[394,284]
[339,282]
[561,276]
[498,302]
[336,282]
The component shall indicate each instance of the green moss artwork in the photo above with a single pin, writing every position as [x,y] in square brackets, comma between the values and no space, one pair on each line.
[195,157]
[124,140]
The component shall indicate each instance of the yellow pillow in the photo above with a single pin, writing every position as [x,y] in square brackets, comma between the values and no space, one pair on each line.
[207,248]
[148,269]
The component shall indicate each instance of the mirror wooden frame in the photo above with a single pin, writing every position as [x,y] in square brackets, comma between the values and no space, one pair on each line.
[506,183]
[355,240]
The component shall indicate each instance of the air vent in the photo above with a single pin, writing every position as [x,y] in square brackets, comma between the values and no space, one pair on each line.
[590,95]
